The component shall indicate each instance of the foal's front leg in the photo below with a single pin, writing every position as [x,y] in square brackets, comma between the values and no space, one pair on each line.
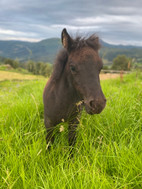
[72,131]
[50,128]
[73,123]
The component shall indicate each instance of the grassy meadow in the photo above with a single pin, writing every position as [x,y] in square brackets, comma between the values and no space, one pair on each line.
[108,152]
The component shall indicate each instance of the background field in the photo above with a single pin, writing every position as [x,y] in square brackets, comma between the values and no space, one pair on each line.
[107,153]
[6,75]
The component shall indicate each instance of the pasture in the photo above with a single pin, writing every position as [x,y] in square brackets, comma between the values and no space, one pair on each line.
[7,75]
[108,152]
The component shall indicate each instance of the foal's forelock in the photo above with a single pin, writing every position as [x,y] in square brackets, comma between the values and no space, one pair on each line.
[92,41]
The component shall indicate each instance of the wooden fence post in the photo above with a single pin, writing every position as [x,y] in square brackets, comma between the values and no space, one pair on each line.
[121,75]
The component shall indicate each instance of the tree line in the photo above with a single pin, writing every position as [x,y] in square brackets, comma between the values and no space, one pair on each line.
[121,62]
[37,68]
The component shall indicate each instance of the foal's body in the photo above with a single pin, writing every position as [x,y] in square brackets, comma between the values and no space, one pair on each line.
[75,78]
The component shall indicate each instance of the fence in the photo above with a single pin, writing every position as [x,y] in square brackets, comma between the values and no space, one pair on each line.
[115,71]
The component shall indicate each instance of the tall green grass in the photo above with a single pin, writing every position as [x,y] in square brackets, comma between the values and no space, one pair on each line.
[108,152]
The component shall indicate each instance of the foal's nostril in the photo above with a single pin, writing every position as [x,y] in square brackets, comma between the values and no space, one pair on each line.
[92,104]
[97,103]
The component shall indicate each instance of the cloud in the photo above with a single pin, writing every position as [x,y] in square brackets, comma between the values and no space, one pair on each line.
[108,19]
[115,21]
[13,32]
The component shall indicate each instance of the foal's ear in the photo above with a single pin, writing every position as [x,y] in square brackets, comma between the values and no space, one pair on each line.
[94,42]
[67,41]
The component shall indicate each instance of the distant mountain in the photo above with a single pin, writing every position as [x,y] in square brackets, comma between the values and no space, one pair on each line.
[44,50]
[47,49]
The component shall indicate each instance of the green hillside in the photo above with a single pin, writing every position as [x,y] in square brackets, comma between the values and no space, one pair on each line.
[110,53]
[41,51]
[47,49]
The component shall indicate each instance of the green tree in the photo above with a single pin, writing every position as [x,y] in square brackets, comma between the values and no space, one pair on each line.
[39,66]
[13,63]
[31,67]
[121,62]
[46,69]
[9,61]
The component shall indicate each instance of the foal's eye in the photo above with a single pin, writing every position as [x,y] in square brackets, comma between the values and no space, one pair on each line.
[72,68]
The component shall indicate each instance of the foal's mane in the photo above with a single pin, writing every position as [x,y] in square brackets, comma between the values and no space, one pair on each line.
[59,64]
[78,43]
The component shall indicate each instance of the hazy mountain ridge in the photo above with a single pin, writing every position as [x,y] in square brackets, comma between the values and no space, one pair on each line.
[47,49]
[44,50]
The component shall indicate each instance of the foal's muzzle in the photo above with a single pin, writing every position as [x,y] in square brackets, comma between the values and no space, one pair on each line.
[95,106]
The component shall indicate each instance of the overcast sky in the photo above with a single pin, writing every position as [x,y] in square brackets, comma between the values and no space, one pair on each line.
[115,21]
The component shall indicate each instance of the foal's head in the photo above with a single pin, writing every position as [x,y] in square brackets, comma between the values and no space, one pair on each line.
[83,68]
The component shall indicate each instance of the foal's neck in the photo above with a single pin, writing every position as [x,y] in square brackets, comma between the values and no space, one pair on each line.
[66,88]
